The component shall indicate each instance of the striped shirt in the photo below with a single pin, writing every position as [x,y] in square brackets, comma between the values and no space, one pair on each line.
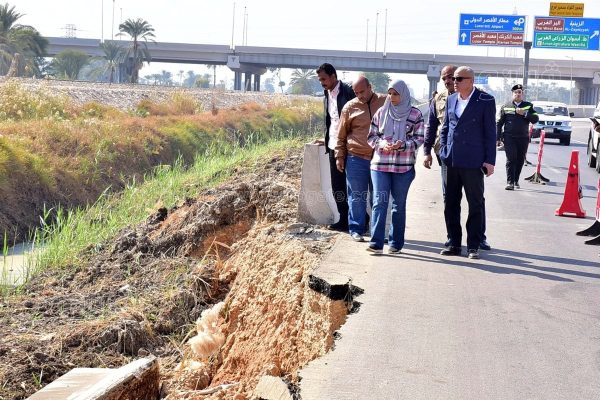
[403,159]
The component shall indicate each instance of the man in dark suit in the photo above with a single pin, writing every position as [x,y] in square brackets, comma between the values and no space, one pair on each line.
[337,94]
[468,148]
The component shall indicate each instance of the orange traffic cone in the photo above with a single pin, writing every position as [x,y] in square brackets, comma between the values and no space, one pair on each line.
[571,202]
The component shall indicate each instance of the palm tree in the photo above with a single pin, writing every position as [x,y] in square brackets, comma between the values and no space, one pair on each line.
[68,63]
[138,30]
[22,39]
[214,68]
[190,79]
[114,55]
[303,81]
[166,77]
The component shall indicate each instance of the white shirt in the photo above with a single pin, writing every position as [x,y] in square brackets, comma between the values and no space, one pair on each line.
[462,104]
[334,114]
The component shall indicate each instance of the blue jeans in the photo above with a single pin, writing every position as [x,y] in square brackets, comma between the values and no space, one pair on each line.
[358,180]
[397,184]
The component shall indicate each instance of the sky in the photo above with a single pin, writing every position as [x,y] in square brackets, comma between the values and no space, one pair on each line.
[422,26]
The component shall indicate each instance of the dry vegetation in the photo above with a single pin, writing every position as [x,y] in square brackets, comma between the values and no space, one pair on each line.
[55,152]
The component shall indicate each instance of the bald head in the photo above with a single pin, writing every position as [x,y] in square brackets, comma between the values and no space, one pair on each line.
[463,80]
[446,76]
[362,89]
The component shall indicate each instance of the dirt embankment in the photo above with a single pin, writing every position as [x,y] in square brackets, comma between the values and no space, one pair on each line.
[142,292]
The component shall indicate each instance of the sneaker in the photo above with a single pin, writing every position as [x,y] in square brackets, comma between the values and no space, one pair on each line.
[484,245]
[357,237]
[374,250]
[473,254]
[393,250]
[510,186]
[451,251]
[517,186]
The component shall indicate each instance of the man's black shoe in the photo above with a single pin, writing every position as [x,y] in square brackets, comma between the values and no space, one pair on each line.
[484,245]
[448,243]
[338,226]
[451,251]
[473,254]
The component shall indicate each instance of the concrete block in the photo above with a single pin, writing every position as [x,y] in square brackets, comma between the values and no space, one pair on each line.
[136,380]
[272,388]
[315,203]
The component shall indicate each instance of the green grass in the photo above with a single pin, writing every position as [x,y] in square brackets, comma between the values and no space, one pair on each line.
[66,240]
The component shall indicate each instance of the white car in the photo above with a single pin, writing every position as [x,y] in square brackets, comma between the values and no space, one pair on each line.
[555,121]
[594,142]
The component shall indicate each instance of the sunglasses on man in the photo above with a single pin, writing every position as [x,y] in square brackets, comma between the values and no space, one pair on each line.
[460,78]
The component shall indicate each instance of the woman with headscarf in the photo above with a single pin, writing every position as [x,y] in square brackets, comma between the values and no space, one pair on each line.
[396,133]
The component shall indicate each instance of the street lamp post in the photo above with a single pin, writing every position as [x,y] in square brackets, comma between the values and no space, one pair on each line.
[112,31]
[376,23]
[367,45]
[571,88]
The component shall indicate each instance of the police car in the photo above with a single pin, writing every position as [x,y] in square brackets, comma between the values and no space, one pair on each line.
[555,121]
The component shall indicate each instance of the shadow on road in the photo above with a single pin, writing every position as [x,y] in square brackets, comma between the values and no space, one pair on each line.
[502,261]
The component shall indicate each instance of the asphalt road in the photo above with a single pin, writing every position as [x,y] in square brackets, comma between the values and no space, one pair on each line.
[521,323]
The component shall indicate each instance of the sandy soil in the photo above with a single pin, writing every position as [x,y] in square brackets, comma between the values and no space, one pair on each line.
[142,292]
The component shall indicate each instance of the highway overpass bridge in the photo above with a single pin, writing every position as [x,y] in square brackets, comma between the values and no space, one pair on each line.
[252,61]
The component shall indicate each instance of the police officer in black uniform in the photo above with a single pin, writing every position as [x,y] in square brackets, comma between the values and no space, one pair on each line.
[512,129]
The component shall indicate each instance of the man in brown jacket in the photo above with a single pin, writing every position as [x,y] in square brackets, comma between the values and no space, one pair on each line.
[353,153]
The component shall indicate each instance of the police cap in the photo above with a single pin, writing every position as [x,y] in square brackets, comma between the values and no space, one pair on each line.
[518,86]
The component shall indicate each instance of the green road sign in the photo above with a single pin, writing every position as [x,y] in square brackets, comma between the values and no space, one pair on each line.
[562,41]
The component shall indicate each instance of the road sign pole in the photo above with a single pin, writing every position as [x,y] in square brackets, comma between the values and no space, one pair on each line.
[527,47]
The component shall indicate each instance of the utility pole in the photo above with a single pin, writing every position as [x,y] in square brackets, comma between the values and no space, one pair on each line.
[244,28]
[527,47]
[233,27]
[367,45]
[112,32]
[385,33]
[571,88]
[376,23]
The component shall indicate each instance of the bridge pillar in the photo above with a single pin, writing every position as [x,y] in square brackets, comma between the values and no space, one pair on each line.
[237,80]
[433,85]
[588,92]
[247,81]
[256,87]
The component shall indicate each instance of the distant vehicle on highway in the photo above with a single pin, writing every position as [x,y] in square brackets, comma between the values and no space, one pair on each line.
[594,142]
[555,121]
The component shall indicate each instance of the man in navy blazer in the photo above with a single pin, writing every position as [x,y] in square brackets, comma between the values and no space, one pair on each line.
[468,148]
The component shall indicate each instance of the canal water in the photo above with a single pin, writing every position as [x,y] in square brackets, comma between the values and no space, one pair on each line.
[17,264]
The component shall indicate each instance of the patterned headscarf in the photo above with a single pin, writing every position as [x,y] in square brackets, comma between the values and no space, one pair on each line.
[394,117]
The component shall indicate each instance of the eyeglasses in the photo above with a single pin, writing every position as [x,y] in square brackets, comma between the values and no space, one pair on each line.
[460,78]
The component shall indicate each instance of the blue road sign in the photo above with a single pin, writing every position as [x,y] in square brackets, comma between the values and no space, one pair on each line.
[566,33]
[491,30]
[481,80]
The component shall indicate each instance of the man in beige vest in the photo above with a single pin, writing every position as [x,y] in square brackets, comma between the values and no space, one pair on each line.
[353,153]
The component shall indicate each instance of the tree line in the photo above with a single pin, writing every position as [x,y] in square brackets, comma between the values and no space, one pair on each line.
[23,51]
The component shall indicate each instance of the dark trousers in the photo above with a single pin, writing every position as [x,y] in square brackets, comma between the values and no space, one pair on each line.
[471,180]
[516,150]
[338,186]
